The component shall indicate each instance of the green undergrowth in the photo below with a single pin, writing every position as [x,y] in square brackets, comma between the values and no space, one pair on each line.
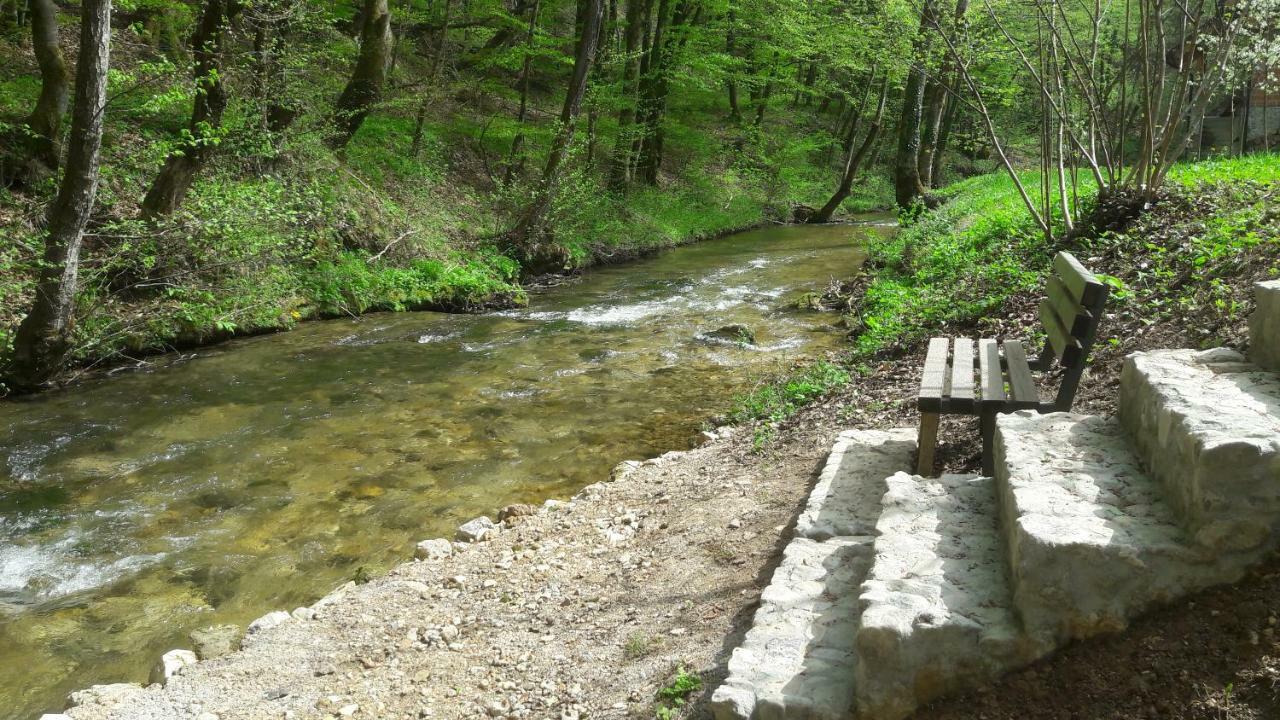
[274,233]
[1195,250]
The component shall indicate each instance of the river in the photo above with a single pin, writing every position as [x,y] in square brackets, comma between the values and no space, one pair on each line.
[259,474]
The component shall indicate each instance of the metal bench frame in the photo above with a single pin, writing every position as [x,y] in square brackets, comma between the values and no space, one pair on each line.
[1070,314]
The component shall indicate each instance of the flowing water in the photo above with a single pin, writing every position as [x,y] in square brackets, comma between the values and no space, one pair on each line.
[260,474]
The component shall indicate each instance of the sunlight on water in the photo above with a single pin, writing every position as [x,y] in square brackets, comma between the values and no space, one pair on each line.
[262,473]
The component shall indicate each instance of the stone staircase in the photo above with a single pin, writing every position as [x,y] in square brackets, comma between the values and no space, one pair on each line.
[898,589]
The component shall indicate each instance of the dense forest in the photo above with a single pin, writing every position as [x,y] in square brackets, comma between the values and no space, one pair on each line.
[174,172]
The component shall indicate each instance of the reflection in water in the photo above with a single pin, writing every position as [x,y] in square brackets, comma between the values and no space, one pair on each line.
[264,472]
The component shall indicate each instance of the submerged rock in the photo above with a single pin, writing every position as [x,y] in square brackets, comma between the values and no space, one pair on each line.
[516,510]
[731,334]
[215,641]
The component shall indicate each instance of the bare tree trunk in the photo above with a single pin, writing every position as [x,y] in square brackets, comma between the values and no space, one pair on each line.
[907,185]
[853,161]
[526,236]
[620,166]
[46,119]
[935,105]
[364,89]
[730,49]
[185,161]
[515,164]
[44,337]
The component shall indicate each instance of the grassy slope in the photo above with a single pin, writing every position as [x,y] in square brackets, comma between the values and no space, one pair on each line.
[261,245]
[978,261]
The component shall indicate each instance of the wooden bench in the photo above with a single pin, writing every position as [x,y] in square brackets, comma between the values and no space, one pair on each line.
[1004,374]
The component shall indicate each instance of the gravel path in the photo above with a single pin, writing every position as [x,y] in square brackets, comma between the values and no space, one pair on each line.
[584,608]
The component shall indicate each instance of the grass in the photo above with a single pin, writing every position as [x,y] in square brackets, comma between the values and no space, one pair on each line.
[966,258]
[673,695]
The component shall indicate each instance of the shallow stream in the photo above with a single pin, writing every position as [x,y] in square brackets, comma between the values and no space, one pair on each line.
[260,474]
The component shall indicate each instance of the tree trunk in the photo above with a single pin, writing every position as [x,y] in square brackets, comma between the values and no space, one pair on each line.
[907,186]
[731,49]
[935,104]
[46,119]
[527,234]
[650,94]
[370,74]
[853,161]
[420,117]
[516,162]
[944,136]
[44,337]
[185,161]
[620,166]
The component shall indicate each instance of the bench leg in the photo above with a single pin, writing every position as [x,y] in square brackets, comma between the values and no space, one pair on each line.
[988,428]
[927,443]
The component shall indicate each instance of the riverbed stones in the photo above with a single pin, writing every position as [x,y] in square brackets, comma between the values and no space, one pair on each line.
[1207,425]
[215,640]
[515,511]
[476,530]
[1264,326]
[435,549]
[172,663]
[104,696]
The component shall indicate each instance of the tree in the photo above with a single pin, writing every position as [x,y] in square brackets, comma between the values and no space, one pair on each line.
[636,21]
[906,175]
[45,122]
[364,90]
[853,160]
[526,238]
[203,133]
[43,339]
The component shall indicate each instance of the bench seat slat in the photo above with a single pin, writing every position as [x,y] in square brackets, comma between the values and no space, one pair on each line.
[1021,384]
[992,379]
[933,381]
[960,399]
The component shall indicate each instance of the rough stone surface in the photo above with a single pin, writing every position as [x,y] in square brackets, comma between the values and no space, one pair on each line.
[1264,326]
[215,640]
[268,621]
[798,657]
[1207,425]
[437,549]
[797,660]
[172,663]
[1091,540]
[475,530]
[937,613]
[846,499]
[105,695]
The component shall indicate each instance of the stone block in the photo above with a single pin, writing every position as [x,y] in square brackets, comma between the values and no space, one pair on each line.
[1207,427]
[1091,540]
[797,659]
[937,614]
[846,499]
[1264,326]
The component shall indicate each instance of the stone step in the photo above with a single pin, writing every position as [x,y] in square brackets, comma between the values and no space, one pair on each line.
[797,660]
[937,612]
[1207,427]
[1264,326]
[1091,540]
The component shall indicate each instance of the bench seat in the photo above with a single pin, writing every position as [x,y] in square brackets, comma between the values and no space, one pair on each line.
[986,377]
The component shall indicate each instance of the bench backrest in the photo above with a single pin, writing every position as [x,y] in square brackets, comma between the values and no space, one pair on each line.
[1070,313]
